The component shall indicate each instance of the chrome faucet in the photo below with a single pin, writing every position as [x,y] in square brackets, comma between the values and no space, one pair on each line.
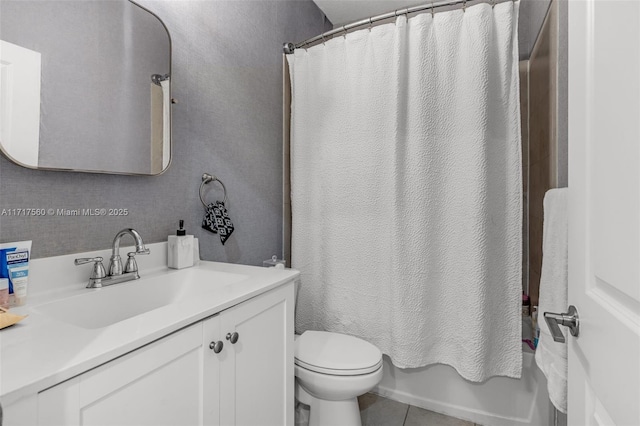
[99,277]
[115,264]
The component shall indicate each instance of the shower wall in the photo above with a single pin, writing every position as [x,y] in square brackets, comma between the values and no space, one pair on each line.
[547,130]
[524,123]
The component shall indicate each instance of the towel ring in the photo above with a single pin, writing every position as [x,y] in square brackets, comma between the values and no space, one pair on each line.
[206,178]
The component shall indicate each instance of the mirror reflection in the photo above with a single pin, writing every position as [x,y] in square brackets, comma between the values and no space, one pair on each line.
[84,85]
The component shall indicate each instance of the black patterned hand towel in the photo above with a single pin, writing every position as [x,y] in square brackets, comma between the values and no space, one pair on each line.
[209,221]
[216,220]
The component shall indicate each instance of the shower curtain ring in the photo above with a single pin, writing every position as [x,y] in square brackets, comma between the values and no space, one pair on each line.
[464,5]
[433,12]
[345,32]
[370,23]
[322,35]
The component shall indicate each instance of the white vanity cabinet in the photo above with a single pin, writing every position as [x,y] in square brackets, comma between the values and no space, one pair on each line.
[158,384]
[181,380]
[256,372]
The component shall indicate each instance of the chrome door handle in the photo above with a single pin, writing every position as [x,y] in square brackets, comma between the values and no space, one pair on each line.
[568,319]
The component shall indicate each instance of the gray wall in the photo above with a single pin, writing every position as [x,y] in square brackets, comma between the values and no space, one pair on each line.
[227,78]
[95,100]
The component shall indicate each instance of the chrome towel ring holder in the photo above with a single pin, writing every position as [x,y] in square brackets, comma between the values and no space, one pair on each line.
[206,178]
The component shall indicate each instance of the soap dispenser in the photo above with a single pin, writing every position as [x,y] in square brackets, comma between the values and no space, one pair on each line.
[180,249]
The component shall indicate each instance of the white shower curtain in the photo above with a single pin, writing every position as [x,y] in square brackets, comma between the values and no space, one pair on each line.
[407,191]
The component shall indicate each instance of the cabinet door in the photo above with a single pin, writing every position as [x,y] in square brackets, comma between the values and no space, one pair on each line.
[159,384]
[256,374]
[211,335]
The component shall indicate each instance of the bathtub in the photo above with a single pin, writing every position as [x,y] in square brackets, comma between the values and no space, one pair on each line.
[499,401]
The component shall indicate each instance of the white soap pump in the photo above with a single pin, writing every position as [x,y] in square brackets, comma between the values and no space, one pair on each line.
[180,249]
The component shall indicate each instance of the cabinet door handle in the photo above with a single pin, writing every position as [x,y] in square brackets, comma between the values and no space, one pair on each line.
[216,346]
[233,338]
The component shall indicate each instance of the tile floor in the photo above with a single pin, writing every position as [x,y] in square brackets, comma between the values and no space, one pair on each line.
[376,410]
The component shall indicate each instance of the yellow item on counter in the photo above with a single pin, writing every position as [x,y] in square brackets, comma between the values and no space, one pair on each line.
[7,318]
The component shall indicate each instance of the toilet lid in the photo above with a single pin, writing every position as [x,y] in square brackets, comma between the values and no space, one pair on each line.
[337,354]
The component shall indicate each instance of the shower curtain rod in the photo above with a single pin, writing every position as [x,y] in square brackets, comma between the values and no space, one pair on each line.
[290,47]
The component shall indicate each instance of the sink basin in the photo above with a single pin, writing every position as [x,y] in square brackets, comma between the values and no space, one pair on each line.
[103,307]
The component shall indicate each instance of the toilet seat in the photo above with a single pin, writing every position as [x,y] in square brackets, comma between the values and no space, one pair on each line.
[334,372]
[336,354]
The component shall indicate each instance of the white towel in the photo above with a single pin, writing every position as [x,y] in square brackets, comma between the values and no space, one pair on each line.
[551,356]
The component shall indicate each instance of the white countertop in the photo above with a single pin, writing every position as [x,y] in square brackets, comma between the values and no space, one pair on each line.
[40,352]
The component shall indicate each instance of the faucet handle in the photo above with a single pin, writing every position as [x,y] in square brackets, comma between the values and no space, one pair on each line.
[83,260]
[132,265]
[98,270]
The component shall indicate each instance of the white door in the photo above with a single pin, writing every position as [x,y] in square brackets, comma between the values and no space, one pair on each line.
[604,211]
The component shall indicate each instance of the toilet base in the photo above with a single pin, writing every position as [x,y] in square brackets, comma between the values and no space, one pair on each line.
[322,412]
[334,413]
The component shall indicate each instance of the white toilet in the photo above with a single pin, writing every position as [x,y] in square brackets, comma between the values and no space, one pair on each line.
[332,370]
